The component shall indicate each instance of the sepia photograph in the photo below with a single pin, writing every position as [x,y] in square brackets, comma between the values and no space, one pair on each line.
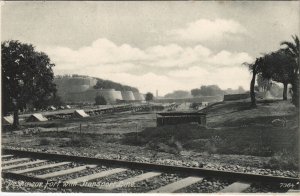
[150,97]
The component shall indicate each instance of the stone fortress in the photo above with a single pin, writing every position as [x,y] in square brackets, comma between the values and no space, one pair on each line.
[80,89]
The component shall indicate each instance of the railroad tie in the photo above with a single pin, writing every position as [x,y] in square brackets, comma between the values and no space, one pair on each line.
[22,164]
[130,181]
[41,167]
[171,188]
[236,187]
[95,176]
[7,156]
[15,160]
[65,172]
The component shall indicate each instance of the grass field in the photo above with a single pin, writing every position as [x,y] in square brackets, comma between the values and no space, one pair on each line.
[233,128]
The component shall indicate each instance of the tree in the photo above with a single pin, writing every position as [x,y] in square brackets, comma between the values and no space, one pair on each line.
[263,83]
[27,76]
[55,100]
[292,49]
[278,66]
[254,68]
[209,90]
[100,100]
[196,92]
[149,96]
[179,94]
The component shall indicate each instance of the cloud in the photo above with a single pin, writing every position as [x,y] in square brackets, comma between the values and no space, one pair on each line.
[227,58]
[101,51]
[176,56]
[182,67]
[204,29]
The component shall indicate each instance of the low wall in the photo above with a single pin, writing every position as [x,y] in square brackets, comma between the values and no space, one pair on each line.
[208,99]
[233,97]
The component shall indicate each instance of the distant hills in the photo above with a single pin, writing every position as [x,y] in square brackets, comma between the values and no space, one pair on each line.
[209,90]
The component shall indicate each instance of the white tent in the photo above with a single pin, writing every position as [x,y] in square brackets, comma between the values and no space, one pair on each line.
[7,120]
[80,114]
[37,117]
[268,95]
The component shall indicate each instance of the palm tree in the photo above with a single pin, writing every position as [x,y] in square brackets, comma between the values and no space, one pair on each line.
[254,68]
[292,49]
[278,66]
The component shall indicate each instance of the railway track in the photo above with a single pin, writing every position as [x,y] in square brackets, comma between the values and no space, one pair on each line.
[85,174]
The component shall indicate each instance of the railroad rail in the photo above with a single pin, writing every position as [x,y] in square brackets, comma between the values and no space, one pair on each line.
[14,159]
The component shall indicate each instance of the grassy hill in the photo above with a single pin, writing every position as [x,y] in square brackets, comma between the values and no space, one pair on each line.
[233,128]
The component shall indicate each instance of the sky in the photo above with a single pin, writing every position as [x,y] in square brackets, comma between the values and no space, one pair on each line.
[164,46]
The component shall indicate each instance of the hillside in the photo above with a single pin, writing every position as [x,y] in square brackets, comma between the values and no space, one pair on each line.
[233,128]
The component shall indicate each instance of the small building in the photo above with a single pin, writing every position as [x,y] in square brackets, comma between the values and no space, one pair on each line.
[52,108]
[172,118]
[233,97]
[8,120]
[80,114]
[37,117]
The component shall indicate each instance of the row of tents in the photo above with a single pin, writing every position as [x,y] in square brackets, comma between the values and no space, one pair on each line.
[38,117]
[60,107]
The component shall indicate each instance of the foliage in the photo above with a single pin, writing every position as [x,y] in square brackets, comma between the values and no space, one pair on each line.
[278,67]
[107,84]
[100,100]
[55,100]
[178,94]
[210,90]
[149,96]
[214,90]
[27,76]
[239,90]
[263,83]
[292,49]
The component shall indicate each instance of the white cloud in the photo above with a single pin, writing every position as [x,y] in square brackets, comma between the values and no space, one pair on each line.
[102,51]
[187,67]
[224,77]
[227,58]
[205,29]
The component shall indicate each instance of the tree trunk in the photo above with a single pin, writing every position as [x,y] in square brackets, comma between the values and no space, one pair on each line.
[16,116]
[285,86]
[252,93]
[295,91]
